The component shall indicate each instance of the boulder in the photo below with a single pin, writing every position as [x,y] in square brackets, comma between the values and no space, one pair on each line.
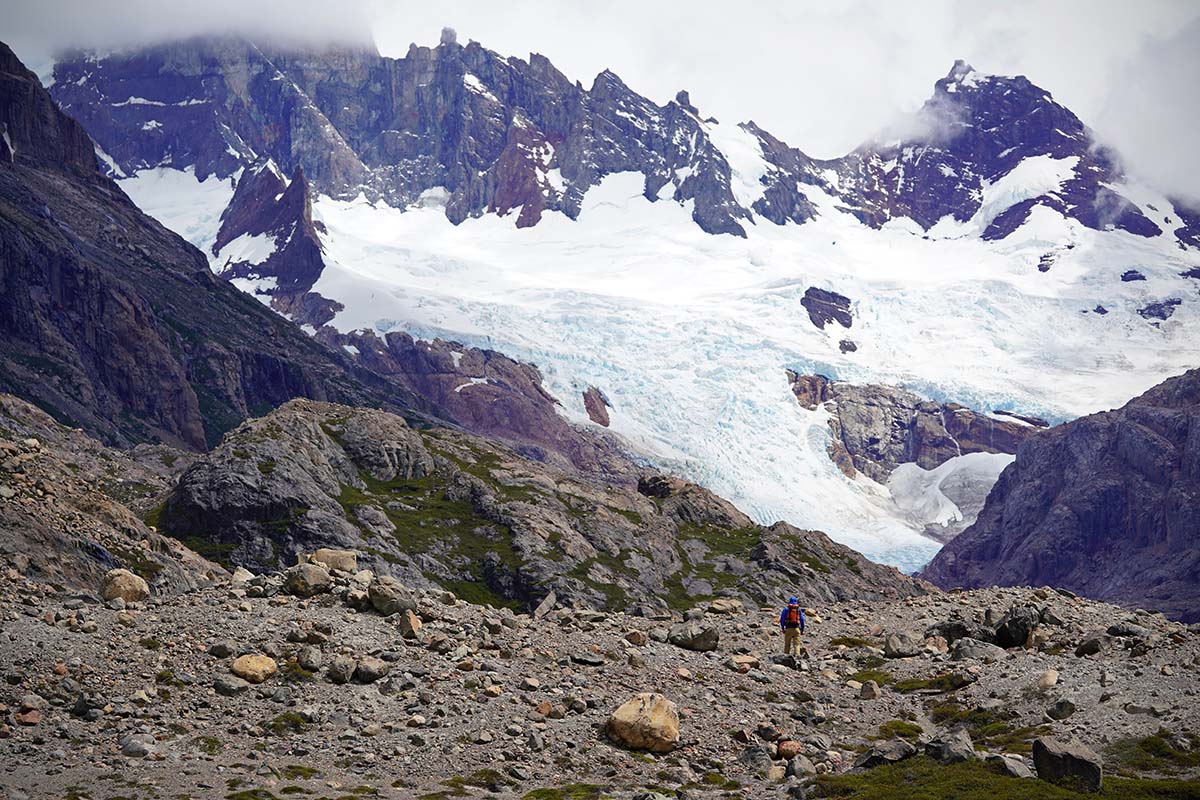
[884,753]
[1068,762]
[757,760]
[1017,626]
[968,649]
[649,721]
[1011,766]
[370,669]
[1094,645]
[307,580]
[410,624]
[123,584]
[230,685]
[389,596]
[951,747]
[1128,630]
[310,658]
[1047,679]
[1061,710]
[254,668]
[340,669]
[340,560]
[869,691]
[697,635]
[901,645]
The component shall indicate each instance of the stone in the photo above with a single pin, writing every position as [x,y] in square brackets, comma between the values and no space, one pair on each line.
[1061,710]
[340,669]
[230,685]
[138,745]
[254,668]
[951,747]
[1058,761]
[370,669]
[869,691]
[757,759]
[389,596]
[648,721]
[546,606]
[1128,630]
[1047,679]
[801,766]
[884,753]
[725,605]
[340,560]
[1093,645]
[968,649]
[123,584]
[223,649]
[310,658]
[1011,766]
[1017,626]
[901,645]
[788,749]
[636,638]
[410,624]
[698,636]
[307,580]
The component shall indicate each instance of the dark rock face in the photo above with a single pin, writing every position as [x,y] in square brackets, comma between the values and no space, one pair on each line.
[824,307]
[1107,506]
[264,205]
[439,507]
[877,427]
[502,134]
[498,133]
[115,324]
[596,405]
[977,128]
[1070,762]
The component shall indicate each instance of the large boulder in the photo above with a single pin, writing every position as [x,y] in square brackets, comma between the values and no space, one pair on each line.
[695,635]
[254,668]
[307,580]
[1068,762]
[951,747]
[968,649]
[1016,629]
[389,596]
[340,560]
[124,584]
[649,721]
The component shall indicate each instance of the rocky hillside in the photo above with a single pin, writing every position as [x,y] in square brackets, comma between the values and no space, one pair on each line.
[115,324]
[331,682]
[442,508]
[1107,505]
[70,508]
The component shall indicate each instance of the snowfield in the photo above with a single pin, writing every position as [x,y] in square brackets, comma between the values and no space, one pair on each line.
[690,335]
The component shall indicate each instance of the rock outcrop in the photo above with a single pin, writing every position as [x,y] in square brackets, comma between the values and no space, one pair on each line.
[1107,506]
[443,508]
[878,427]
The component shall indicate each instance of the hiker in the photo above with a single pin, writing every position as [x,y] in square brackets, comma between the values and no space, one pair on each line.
[791,622]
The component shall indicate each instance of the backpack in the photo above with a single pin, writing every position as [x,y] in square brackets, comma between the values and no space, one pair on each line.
[793,617]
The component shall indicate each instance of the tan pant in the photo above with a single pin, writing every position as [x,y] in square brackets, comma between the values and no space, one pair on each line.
[791,641]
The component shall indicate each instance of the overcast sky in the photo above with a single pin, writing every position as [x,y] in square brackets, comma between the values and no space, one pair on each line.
[821,76]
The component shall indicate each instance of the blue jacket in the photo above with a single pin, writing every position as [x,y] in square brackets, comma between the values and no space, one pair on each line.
[783,619]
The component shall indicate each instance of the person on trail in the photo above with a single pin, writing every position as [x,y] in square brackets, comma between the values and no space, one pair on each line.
[791,622]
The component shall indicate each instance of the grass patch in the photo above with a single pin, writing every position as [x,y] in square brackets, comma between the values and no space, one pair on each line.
[924,779]
[899,728]
[294,673]
[209,745]
[880,676]
[294,772]
[266,467]
[1154,753]
[286,723]
[990,729]
[150,643]
[946,682]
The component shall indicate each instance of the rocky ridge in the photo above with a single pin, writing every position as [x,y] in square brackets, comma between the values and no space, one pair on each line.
[327,679]
[1107,505]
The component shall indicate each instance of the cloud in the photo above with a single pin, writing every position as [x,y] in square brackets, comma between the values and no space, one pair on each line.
[822,76]
[1152,115]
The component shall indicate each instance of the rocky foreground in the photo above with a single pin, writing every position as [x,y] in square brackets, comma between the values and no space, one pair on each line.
[328,681]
